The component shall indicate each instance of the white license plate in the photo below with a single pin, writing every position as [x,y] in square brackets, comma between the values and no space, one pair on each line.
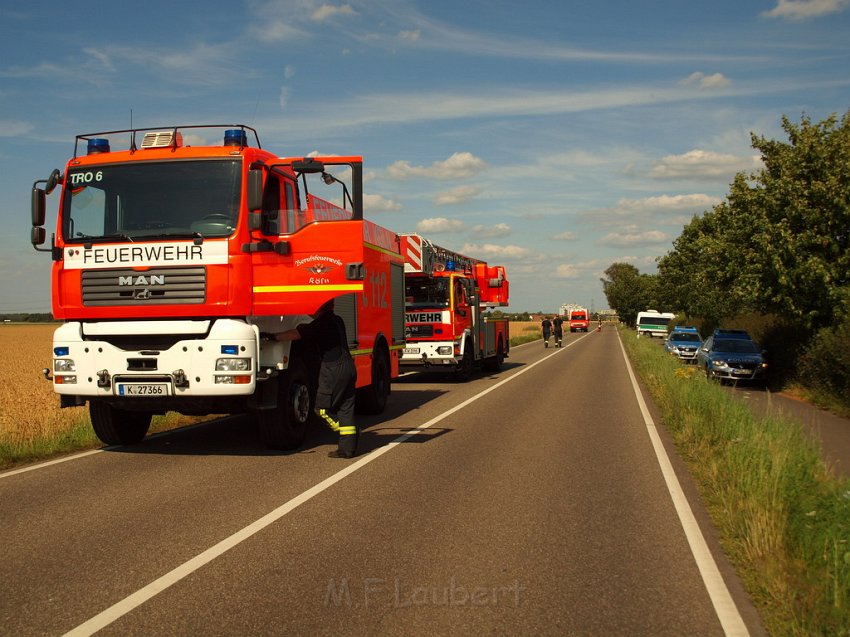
[143,389]
[411,350]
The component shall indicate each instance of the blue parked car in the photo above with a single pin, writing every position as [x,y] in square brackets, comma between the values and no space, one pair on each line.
[732,355]
[683,341]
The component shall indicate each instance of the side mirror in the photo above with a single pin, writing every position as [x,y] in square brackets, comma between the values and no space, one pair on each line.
[38,236]
[38,205]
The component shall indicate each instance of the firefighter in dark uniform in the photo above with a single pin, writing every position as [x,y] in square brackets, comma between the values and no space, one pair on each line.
[558,329]
[546,324]
[337,375]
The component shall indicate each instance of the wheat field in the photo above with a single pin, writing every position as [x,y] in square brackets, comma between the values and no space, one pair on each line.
[29,409]
[32,425]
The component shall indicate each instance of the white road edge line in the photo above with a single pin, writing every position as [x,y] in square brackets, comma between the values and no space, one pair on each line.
[727,612]
[121,608]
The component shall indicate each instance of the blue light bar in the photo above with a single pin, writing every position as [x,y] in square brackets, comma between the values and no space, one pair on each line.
[61,351]
[98,145]
[229,349]
[235,137]
[450,265]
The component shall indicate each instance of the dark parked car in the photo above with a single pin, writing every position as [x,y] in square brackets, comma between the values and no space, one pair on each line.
[731,358]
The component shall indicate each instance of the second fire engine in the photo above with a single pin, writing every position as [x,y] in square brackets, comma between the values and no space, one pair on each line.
[447,295]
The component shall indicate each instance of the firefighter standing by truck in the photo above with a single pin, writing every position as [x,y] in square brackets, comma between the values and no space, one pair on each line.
[337,375]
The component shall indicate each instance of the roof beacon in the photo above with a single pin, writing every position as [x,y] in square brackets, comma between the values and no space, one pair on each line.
[98,145]
[235,137]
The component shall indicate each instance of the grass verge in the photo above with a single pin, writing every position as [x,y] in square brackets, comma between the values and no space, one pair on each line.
[784,520]
[72,433]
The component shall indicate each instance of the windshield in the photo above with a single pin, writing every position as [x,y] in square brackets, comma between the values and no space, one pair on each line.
[422,292]
[152,199]
[653,320]
[686,337]
[735,346]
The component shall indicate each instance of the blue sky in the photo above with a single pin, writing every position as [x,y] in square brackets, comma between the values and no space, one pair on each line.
[554,138]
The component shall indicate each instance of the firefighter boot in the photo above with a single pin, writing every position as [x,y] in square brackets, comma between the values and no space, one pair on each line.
[347,446]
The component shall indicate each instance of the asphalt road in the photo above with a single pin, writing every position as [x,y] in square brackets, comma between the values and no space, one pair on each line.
[539,500]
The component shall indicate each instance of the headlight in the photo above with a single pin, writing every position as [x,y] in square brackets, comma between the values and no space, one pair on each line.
[720,363]
[64,365]
[444,350]
[233,365]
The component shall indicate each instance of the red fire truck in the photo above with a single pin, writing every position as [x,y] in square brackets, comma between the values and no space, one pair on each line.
[446,297]
[171,261]
[578,319]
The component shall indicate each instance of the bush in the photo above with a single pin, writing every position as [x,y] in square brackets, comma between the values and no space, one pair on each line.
[825,364]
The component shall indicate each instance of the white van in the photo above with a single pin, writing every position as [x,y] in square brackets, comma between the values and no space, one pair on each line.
[653,323]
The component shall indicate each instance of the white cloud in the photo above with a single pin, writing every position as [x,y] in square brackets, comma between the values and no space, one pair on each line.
[499,230]
[702,164]
[284,97]
[665,209]
[327,11]
[412,36]
[378,203]
[288,71]
[564,236]
[716,80]
[489,250]
[804,9]
[567,271]
[13,128]
[633,239]
[440,225]
[457,195]
[458,166]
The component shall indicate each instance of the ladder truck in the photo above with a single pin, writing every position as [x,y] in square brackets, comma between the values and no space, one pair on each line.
[171,262]
[447,295]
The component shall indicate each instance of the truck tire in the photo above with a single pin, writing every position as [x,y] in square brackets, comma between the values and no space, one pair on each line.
[115,426]
[373,398]
[285,425]
[464,370]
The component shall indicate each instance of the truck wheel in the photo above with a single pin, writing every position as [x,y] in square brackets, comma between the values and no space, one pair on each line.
[285,425]
[115,426]
[373,398]
[464,370]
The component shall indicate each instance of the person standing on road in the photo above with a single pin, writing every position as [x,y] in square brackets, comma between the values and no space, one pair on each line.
[558,329]
[337,375]
[546,324]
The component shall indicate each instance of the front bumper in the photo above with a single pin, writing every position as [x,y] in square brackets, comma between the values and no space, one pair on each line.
[748,371]
[426,354]
[136,360]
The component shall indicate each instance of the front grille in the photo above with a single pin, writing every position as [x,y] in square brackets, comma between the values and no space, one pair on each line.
[157,286]
[419,331]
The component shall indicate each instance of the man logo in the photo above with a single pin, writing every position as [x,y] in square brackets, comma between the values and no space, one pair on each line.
[141,294]
[155,279]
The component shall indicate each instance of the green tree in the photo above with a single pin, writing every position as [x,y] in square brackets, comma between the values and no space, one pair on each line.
[800,206]
[779,243]
[628,291]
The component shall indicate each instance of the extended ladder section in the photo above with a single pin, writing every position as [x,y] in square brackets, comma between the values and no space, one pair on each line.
[422,257]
